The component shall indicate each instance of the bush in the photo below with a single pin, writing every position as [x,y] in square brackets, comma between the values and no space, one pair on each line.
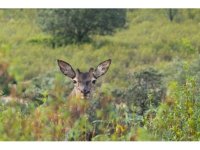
[181,70]
[5,80]
[178,118]
[145,91]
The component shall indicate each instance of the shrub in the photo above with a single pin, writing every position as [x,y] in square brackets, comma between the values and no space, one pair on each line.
[146,89]
[5,80]
[178,118]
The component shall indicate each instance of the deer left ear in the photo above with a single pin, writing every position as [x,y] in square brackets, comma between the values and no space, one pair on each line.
[66,69]
[102,68]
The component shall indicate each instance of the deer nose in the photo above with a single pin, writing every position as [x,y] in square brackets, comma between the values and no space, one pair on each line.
[85,91]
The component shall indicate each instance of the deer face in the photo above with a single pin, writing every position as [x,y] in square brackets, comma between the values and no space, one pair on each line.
[84,82]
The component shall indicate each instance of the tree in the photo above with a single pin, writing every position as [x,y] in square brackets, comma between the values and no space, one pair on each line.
[171,13]
[76,25]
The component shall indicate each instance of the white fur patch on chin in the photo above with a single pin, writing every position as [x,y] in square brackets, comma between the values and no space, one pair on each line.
[84,97]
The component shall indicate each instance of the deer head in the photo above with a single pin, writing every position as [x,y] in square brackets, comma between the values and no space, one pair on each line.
[84,82]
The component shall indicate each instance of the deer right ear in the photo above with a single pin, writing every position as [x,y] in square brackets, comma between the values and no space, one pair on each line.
[102,68]
[66,69]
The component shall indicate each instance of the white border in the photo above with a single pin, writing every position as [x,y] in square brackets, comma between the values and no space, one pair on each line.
[99,145]
[99,4]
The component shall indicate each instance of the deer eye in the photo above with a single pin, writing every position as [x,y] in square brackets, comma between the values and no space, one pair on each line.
[74,81]
[94,81]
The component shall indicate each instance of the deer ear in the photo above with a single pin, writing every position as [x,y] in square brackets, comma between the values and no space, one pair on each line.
[102,68]
[66,69]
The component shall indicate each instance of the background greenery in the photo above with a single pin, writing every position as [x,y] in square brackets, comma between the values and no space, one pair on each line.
[151,91]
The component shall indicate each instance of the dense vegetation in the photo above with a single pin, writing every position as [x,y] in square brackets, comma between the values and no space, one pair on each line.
[151,91]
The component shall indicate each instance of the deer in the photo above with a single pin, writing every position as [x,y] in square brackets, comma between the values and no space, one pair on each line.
[84,87]
[84,82]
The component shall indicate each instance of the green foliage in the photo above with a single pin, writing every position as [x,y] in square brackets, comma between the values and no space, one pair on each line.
[42,123]
[181,70]
[50,121]
[132,101]
[178,118]
[146,90]
[75,26]
[5,80]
